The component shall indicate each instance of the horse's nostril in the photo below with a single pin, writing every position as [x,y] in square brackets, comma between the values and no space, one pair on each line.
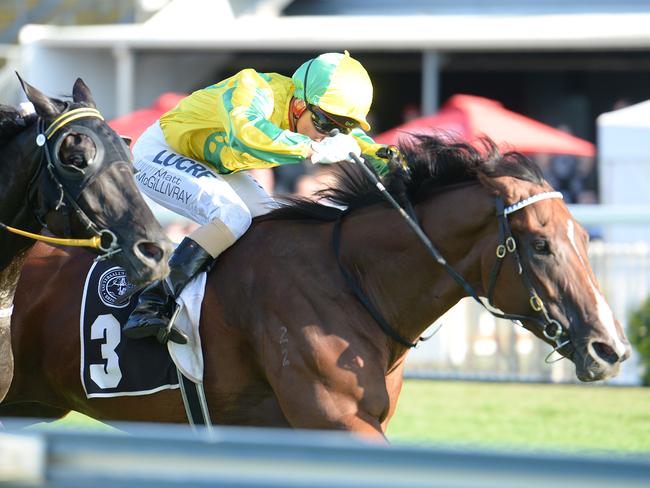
[605,352]
[151,250]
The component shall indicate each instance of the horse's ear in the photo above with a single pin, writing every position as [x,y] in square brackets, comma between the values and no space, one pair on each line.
[81,93]
[45,106]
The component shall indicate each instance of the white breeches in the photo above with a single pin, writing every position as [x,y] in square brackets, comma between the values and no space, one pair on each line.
[195,190]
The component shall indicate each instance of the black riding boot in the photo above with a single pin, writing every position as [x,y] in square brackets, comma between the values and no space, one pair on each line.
[157,301]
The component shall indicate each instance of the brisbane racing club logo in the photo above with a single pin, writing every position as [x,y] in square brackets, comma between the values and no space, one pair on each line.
[112,285]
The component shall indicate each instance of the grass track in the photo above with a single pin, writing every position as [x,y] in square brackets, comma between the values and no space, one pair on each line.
[550,417]
[504,415]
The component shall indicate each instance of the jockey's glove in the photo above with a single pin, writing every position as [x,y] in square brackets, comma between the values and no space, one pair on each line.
[335,149]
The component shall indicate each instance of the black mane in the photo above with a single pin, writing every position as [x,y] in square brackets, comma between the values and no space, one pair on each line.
[434,162]
[12,122]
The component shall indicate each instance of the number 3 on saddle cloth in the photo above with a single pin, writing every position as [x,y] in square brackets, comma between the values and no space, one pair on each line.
[114,365]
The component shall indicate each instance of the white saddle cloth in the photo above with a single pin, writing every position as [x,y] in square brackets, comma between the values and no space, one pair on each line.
[188,358]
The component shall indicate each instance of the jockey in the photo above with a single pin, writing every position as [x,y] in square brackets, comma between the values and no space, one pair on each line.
[192,160]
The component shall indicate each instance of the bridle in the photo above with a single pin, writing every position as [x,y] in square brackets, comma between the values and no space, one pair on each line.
[71,181]
[549,327]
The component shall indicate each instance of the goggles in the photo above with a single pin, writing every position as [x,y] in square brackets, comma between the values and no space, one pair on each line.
[325,122]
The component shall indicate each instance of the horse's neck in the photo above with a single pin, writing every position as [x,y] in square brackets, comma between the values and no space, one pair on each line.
[399,275]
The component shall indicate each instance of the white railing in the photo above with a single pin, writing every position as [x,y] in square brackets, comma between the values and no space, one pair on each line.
[171,456]
[611,214]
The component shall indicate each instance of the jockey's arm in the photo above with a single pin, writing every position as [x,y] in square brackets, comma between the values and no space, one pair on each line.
[234,125]
[254,141]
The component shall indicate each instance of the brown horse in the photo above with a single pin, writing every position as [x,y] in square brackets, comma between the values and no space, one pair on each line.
[287,343]
[63,168]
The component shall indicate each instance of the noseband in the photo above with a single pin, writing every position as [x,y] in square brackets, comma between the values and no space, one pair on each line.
[550,328]
[72,181]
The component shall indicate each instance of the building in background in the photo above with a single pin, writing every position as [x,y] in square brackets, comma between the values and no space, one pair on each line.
[529,55]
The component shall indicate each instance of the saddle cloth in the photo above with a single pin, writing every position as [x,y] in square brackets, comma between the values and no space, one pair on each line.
[114,365]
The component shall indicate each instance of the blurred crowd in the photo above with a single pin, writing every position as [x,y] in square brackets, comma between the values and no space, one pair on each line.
[576,177]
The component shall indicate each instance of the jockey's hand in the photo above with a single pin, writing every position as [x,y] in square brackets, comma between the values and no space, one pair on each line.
[335,149]
[395,158]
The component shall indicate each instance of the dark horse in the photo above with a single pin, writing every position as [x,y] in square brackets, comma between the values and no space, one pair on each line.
[286,341]
[63,168]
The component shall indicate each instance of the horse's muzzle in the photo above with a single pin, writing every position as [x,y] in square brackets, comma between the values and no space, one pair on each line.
[599,361]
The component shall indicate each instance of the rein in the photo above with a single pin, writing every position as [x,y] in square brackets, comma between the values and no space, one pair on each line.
[551,328]
[42,138]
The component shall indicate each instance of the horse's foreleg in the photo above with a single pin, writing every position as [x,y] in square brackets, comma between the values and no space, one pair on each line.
[321,382]
[309,405]
[6,357]
[358,423]
[365,425]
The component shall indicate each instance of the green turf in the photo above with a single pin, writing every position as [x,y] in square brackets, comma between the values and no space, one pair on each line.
[564,417]
[74,421]
[504,415]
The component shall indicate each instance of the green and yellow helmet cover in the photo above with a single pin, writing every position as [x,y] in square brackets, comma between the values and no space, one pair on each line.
[338,84]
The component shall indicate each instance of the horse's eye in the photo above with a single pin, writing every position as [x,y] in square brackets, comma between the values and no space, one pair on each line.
[541,246]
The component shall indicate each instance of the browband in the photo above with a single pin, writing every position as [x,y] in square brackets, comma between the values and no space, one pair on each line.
[531,200]
[68,117]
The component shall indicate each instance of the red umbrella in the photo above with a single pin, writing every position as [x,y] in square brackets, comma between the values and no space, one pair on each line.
[469,117]
[134,124]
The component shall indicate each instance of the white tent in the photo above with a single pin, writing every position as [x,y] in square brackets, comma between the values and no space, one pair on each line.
[624,165]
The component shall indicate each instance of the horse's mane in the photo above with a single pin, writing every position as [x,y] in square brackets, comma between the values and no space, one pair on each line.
[12,122]
[434,162]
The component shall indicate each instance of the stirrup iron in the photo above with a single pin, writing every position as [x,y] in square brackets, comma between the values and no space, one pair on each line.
[171,333]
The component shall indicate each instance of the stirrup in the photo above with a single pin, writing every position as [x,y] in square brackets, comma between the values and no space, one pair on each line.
[171,333]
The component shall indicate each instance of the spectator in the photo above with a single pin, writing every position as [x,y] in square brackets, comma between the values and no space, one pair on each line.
[584,186]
